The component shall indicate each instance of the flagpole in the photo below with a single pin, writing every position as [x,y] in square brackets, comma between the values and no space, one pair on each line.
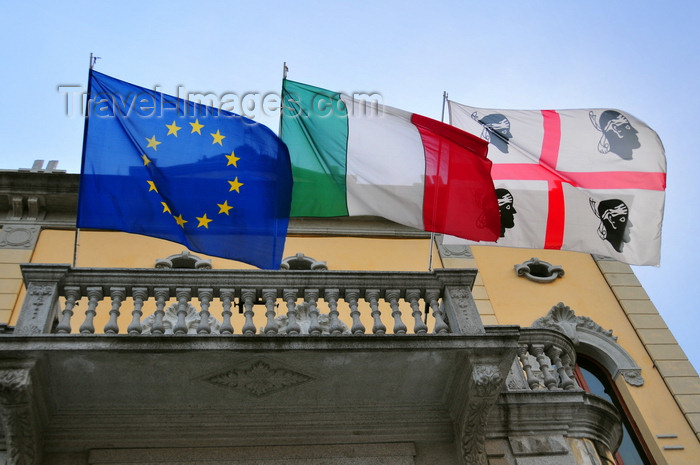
[432,234]
[76,242]
[284,76]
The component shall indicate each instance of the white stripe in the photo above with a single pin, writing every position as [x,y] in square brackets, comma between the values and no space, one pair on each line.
[385,163]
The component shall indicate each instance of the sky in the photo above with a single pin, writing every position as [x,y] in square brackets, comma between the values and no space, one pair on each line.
[639,56]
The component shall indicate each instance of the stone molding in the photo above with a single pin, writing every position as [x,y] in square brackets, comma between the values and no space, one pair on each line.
[39,308]
[452,250]
[19,236]
[396,453]
[259,378]
[539,271]
[302,262]
[593,340]
[18,414]
[462,312]
[183,259]
[485,384]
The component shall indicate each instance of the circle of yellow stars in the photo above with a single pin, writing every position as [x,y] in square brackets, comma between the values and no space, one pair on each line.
[217,138]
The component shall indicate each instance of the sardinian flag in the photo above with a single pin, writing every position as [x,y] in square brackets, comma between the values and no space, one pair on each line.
[583,180]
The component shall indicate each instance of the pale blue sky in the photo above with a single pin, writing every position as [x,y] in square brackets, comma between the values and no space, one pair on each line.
[639,56]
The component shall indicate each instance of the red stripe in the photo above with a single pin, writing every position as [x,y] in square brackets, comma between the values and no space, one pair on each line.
[584,180]
[556,216]
[459,197]
[556,219]
[551,139]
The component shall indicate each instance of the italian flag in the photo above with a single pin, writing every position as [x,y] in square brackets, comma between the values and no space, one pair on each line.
[353,158]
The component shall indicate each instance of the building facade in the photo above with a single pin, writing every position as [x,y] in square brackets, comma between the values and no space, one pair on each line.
[374,344]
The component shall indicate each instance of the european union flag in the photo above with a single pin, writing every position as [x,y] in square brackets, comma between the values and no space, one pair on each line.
[161,166]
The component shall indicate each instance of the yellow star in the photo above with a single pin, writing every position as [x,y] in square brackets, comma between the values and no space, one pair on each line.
[153,143]
[224,207]
[146,160]
[217,137]
[235,185]
[196,127]
[203,221]
[166,208]
[152,186]
[180,221]
[172,129]
[232,159]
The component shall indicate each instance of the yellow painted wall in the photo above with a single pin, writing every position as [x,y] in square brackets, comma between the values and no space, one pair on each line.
[516,300]
[116,249]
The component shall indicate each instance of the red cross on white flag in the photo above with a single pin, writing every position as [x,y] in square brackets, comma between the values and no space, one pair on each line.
[589,180]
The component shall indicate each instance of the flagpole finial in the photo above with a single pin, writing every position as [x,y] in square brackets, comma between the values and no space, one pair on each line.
[93,60]
[285,69]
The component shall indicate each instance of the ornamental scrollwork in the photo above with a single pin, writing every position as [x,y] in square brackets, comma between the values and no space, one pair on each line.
[563,319]
[539,271]
[486,383]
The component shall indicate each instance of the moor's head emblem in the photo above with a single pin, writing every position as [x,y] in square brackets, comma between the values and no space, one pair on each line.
[505,205]
[496,130]
[618,135]
[614,222]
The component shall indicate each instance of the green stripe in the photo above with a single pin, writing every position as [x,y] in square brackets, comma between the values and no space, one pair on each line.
[315,129]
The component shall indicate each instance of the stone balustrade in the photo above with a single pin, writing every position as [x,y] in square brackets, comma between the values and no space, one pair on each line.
[547,358]
[65,300]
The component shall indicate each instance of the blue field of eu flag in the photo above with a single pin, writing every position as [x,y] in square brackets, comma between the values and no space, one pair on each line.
[160,166]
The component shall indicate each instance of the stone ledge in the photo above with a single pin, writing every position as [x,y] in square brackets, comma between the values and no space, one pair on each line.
[350,454]
[648,321]
[676,369]
[622,279]
[630,292]
[661,352]
[687,385]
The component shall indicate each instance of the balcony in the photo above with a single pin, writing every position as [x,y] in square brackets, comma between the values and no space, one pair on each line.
[175,359]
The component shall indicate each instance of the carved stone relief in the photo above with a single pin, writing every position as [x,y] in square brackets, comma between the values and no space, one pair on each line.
[539,271]
[259,379]
[452,250]
[192,320]
[22,437]
[19,236]
[485,384]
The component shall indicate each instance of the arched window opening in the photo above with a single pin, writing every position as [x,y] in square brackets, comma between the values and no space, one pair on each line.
[593,378]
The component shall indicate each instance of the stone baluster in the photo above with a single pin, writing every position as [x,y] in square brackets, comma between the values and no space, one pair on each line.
[392,296]
[183,295]
[117,294]
[204,296]
[94,296]
[566,361]
[372,296]
[432,297]
[524,357]
[538,351]
[226,296]
[270,296]
[331,296]
[248,297]
[311,298]
[72,295]
[554,354]
[290,296]
[139,294]
[413,297]
[351,297]
[162,294]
